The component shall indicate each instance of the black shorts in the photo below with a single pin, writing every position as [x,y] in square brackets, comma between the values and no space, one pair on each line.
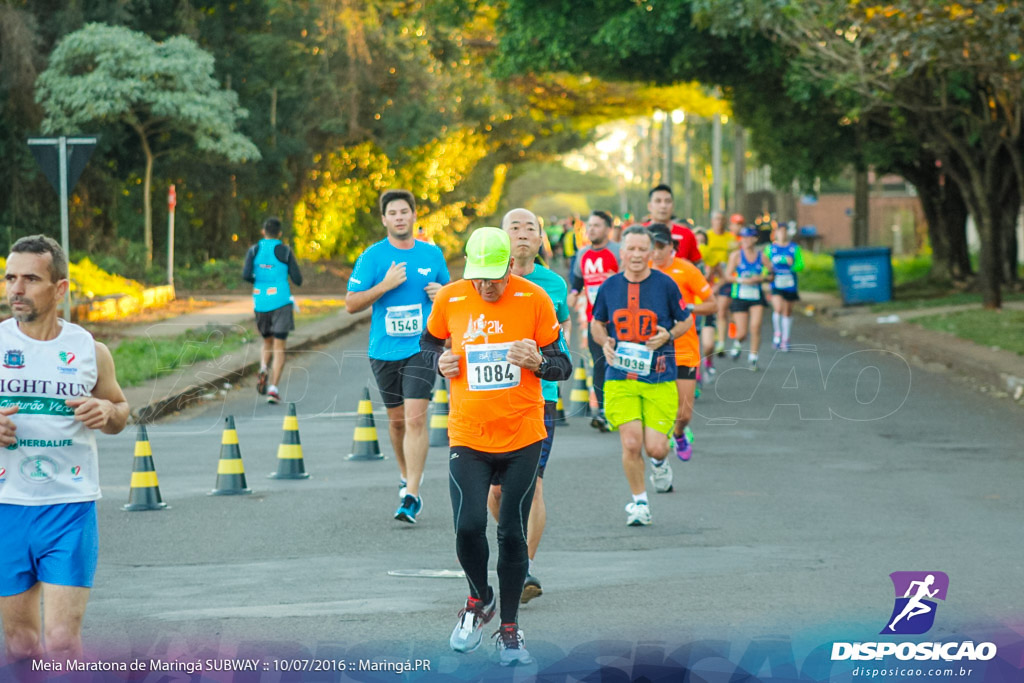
[743,305]
[786,294]
[398,380]
[710,320]
[276,323]
[686,372]
[725,289]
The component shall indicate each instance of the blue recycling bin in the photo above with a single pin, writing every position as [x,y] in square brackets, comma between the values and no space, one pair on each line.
[865,275]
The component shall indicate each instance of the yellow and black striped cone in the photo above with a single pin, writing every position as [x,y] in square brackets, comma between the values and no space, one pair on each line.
[439,416]
[364,441]
[145,490]
[290,464]
[579,397]
[560,420]
[230,472]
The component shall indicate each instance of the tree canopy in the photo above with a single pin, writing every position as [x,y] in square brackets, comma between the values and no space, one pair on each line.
[164,92]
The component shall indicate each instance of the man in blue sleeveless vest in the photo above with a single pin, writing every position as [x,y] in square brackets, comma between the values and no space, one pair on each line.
[58,386]
[268,265]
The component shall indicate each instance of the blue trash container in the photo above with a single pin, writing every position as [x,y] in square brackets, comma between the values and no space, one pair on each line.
[865,275]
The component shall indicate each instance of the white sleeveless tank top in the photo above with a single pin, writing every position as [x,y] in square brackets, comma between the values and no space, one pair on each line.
[55,459]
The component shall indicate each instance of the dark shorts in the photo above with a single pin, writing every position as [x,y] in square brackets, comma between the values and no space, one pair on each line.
[786,294]
[398,380]
[725,290]
[686,372]
[743,306]
[276,323]
[708,321]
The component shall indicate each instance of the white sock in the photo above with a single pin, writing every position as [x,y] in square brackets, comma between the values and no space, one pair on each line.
[752,357]
[640,497]
[272,387]
[529,569]
[657,463]
[787,326]
[263,368]
[776,327]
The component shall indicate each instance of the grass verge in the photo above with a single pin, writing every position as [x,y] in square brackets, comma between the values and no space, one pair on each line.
[141,359]
[989,328]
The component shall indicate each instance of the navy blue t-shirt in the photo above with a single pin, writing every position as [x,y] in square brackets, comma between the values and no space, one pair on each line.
[632,312]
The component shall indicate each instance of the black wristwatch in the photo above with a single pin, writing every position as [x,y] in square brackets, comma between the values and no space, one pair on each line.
[543,366]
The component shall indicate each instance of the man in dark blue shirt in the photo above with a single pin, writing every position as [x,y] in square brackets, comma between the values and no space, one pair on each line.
[637,315]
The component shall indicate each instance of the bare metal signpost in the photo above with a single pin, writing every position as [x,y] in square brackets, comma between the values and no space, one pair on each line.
[63,159]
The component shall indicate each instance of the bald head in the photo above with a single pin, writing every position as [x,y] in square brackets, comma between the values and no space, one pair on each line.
[519,216]
[523,229]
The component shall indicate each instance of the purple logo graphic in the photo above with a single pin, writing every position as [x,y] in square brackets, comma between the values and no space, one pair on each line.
[916,593]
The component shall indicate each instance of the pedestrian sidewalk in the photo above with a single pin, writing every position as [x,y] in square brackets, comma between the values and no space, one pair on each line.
[192,381]
[995,371]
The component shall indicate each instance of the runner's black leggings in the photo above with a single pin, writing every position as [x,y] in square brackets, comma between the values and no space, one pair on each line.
[600,365]
[470,473]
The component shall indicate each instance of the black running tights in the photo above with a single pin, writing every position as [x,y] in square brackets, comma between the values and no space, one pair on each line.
[470,474]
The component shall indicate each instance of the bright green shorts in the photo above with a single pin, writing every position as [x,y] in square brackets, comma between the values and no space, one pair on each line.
[655,405]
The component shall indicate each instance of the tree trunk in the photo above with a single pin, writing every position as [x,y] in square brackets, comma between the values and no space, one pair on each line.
[1009,214]
[930,195]
[860,206]
[954,219]
[147,200]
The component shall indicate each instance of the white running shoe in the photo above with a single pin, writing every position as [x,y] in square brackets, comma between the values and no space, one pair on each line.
[661,478]
[468,633]
[510,646]
[639,514]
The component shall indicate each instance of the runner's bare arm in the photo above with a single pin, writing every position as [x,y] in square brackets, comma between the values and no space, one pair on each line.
[107,409]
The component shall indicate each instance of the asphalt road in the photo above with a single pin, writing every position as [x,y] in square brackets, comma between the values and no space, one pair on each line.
[812,480]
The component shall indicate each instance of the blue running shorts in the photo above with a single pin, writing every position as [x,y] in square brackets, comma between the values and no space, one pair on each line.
[57,544]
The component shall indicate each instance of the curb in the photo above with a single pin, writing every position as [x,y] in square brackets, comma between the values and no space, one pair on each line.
[1000,373]
[183,398]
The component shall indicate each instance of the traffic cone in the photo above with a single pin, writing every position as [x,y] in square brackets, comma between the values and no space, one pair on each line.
[289,454]
[364,441]
[560,420]
[579,397]
[145,491]
[230,472]
[439,416]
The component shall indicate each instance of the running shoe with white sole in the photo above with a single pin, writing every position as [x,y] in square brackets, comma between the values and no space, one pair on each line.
[273,396]
[510,646]
[776,341]
[661,478]
[469,631]
[261,382]
[719,349]
[531,589]
[410,507]
[639,514]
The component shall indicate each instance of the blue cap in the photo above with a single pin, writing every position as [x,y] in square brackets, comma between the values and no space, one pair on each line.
[748,232]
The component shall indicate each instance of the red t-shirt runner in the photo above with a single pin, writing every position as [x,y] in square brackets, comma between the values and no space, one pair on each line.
[592,268]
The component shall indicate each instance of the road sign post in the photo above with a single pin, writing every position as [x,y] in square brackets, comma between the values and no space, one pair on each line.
[63,159]
[172,201]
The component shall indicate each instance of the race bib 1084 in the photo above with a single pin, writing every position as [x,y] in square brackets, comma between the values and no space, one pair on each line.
[488,368]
